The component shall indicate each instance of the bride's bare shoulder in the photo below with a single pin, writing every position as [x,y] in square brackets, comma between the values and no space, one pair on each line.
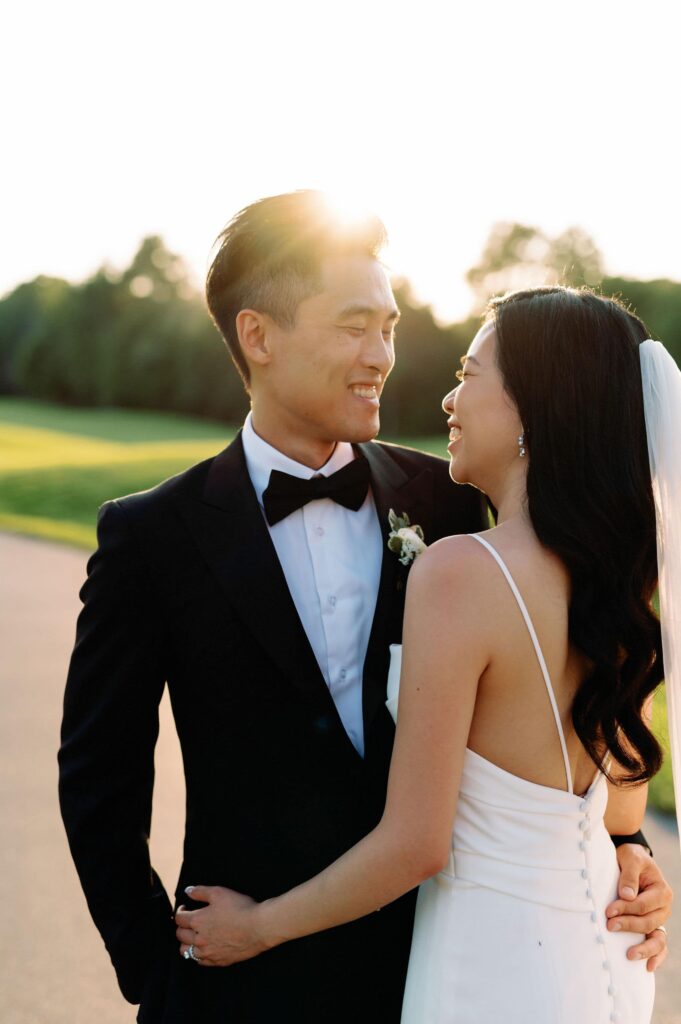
[451,600]
[458,559]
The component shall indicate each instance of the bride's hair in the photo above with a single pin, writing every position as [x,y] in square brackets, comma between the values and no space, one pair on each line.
[569,360]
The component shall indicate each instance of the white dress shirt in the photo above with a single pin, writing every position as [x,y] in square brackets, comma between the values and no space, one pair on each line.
[331,558]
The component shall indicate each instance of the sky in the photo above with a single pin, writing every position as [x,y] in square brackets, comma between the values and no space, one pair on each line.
[148,117]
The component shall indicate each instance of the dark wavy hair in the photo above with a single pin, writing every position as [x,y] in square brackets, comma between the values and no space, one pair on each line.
[269,259]
[570,361]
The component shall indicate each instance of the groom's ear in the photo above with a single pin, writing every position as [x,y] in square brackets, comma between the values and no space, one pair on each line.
[253,330]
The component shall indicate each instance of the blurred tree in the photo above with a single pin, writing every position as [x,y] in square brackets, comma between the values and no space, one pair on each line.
[520,256]
[140,339]
[575,258]
[143,338]
[658,303]
[25,316]
[427,356]
[157,273]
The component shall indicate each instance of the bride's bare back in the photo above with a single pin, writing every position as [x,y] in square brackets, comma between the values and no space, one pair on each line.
[513,724]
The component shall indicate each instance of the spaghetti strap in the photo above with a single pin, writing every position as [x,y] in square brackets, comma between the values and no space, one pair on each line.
[540,657]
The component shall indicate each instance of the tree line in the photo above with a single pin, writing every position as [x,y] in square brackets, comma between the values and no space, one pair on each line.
[143,339]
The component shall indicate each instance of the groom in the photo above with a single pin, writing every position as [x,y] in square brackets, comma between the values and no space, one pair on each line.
[259,586]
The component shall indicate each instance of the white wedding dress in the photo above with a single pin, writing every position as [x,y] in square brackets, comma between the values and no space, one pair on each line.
[513,930]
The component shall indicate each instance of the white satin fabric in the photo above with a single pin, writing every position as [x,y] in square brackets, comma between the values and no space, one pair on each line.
[661,380]
[514,928]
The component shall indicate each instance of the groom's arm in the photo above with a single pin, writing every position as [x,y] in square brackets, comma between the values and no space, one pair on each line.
[643,904]
[106,760]
[644,898]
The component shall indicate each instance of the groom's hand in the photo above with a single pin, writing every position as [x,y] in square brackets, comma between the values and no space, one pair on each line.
[222,933]
[644,904]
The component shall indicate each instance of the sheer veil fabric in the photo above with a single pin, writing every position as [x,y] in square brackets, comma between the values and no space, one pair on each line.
[661,379]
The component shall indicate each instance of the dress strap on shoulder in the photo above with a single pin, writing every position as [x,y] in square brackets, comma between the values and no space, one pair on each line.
[540,656]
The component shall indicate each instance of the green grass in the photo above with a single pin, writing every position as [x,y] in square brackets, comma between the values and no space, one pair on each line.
[661,792]
[124,425]
[61,502]
[58,465]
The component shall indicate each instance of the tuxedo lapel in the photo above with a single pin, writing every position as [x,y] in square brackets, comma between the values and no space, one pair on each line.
[391,488]
[229,529]
[228,526]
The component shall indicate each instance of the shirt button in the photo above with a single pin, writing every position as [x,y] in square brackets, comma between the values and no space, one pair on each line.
[583,806]
[606,965]
[582,846]
[332,600]
[319,530]
[588,894]
[600,940]
[343,673]
[585,873]
[594,917]
[584,824]
[611,990]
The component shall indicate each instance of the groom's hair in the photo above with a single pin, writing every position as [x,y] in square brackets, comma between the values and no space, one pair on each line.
[269,259]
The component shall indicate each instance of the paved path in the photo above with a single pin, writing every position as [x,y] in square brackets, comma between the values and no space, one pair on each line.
[53,967]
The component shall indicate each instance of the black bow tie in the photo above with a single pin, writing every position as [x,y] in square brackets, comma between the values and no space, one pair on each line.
[285,493]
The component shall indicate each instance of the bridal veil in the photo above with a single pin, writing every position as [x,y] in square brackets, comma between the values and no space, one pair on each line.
[662,406]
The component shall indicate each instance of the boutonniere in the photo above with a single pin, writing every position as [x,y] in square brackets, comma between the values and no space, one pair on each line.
[405,539]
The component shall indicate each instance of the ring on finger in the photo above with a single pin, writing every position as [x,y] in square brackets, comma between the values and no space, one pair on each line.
[660,928]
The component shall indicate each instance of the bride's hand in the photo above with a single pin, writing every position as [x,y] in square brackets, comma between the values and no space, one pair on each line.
[222,933]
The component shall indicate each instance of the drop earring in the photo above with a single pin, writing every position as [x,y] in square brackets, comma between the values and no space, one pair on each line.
[521,445]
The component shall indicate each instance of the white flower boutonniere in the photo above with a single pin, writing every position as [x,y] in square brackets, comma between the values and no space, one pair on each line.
[405,539]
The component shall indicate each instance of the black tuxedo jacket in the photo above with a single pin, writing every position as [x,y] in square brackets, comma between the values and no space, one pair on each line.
[185,588]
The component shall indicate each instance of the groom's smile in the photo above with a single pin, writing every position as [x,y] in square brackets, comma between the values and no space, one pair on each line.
[367,393]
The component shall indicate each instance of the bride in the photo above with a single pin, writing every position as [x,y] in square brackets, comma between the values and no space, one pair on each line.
[531,653]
